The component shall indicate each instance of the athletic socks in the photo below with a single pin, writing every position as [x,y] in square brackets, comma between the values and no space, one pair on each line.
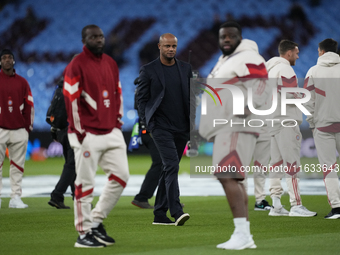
[276,202]
[95,224]
[241,225]
[248,227]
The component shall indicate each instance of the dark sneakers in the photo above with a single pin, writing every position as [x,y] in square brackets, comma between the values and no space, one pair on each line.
[166,221]
[88,242]
[163,221]
[58,205]
[143,205]
[334,214]
[99,233]
[262,206]
[182,219]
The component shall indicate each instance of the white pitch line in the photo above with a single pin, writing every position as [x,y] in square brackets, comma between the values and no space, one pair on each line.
[42,186]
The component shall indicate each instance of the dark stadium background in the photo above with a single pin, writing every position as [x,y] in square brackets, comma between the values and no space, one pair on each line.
[44,35]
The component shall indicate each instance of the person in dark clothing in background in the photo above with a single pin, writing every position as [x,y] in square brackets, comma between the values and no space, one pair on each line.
[68,174]
[151,179]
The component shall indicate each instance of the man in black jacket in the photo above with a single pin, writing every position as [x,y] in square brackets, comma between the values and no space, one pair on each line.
[163,97]
[150,182]
[59,134]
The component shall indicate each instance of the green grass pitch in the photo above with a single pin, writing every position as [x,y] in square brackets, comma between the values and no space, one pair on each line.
[41,229]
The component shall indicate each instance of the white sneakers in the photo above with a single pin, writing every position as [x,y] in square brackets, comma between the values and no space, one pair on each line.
[301,211]
[238,241]
[295,211]
[278,212]
[16,202]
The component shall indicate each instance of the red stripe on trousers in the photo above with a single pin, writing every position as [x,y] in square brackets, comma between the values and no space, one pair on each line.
[277,164]
[1,164]
[295,188]
[256,163]
[80,228]
[297,196]
[79,192]
[232,159]
[117,179]
[263,168]
[78,195]
[292,168]
[14,164]
[328,170]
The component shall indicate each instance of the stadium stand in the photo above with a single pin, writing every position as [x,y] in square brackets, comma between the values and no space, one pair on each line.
[46,34]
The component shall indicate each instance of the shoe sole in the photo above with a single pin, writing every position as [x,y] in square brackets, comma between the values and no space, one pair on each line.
[246,246]
[102,241]
[300,215]
[181,220]
[163,224]
[333,217]
[17,207]
[277,214]
[142,207]
[261,209]
[56,206]
[78,245]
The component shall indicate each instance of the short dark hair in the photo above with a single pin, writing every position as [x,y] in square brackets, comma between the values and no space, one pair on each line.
[83,31]
[329,45]
[232,23]
[6,52]
[286,45]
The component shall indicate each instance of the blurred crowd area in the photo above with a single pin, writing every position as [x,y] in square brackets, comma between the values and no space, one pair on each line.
[44,35]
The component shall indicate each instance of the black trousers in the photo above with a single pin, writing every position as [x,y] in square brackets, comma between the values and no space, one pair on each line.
[151,179]
[170,146]
[68,175]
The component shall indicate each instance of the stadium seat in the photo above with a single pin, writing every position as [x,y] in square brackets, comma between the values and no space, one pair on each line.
[186,19]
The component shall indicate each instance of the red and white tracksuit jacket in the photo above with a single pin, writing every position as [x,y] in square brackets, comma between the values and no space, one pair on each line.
[323,82]
[93,95]
[244,69]
[281,74]
[16,103]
